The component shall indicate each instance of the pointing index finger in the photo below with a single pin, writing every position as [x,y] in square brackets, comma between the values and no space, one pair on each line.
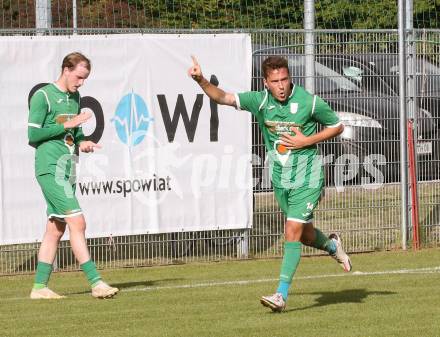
[195,63]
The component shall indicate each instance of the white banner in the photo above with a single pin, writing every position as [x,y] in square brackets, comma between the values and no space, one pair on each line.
[171,160]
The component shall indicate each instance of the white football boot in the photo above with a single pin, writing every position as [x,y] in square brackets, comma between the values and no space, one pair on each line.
[45,294]
[340,255]
[103,290]
[275,302]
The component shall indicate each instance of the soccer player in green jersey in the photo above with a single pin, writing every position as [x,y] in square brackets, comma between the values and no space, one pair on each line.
[288,116]
[54,129]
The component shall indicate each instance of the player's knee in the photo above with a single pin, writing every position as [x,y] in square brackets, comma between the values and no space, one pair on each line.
[293,230]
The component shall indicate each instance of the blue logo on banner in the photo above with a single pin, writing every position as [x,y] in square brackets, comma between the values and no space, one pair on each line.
[132,119]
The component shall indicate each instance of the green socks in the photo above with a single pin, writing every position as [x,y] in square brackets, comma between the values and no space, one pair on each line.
[45,269]
[89,268]
[291,257]
[42,275]
[322,242]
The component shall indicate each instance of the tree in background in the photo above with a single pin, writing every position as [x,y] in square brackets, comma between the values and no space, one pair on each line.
[219,14]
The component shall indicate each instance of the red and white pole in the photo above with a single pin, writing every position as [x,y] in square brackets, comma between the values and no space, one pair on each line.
[413,186]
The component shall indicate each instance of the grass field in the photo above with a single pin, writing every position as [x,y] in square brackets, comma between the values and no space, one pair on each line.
[387,294]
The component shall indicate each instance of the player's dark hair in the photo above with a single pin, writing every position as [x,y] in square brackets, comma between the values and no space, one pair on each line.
[272,63]
[73,59]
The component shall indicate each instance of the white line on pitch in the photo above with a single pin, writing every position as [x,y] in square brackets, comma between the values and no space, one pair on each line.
[245,282]
[429,270]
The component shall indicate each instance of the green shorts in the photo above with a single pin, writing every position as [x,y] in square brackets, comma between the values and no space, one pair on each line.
[60,197]
[298,204]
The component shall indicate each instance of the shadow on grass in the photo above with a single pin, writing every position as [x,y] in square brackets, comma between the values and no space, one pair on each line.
[150,283]
[127,285]
[338,297]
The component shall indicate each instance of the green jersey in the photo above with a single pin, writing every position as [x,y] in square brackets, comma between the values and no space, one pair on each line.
[50,107]
[297,168]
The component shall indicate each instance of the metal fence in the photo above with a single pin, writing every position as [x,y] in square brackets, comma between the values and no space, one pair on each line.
[208,14]
[357,73]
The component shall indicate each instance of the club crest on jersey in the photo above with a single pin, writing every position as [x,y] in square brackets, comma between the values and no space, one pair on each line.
[281,151]
[69,141]
[293,108]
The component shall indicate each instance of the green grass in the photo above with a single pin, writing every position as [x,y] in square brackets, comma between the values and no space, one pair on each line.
[183,300]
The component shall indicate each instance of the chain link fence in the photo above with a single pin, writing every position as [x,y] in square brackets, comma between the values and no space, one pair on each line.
[356,71]
[214,14]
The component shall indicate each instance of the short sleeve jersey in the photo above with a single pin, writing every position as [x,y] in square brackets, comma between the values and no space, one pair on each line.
[290,169]
[50,107]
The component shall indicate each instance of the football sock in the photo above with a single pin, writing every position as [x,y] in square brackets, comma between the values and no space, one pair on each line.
[323,242]
[42,275]
[89,268]
[291,257]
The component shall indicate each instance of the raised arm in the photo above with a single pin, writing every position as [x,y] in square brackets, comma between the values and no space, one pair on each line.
[213,92]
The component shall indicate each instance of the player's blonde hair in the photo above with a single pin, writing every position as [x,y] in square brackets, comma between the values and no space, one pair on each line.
[272,63]
[71,60]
